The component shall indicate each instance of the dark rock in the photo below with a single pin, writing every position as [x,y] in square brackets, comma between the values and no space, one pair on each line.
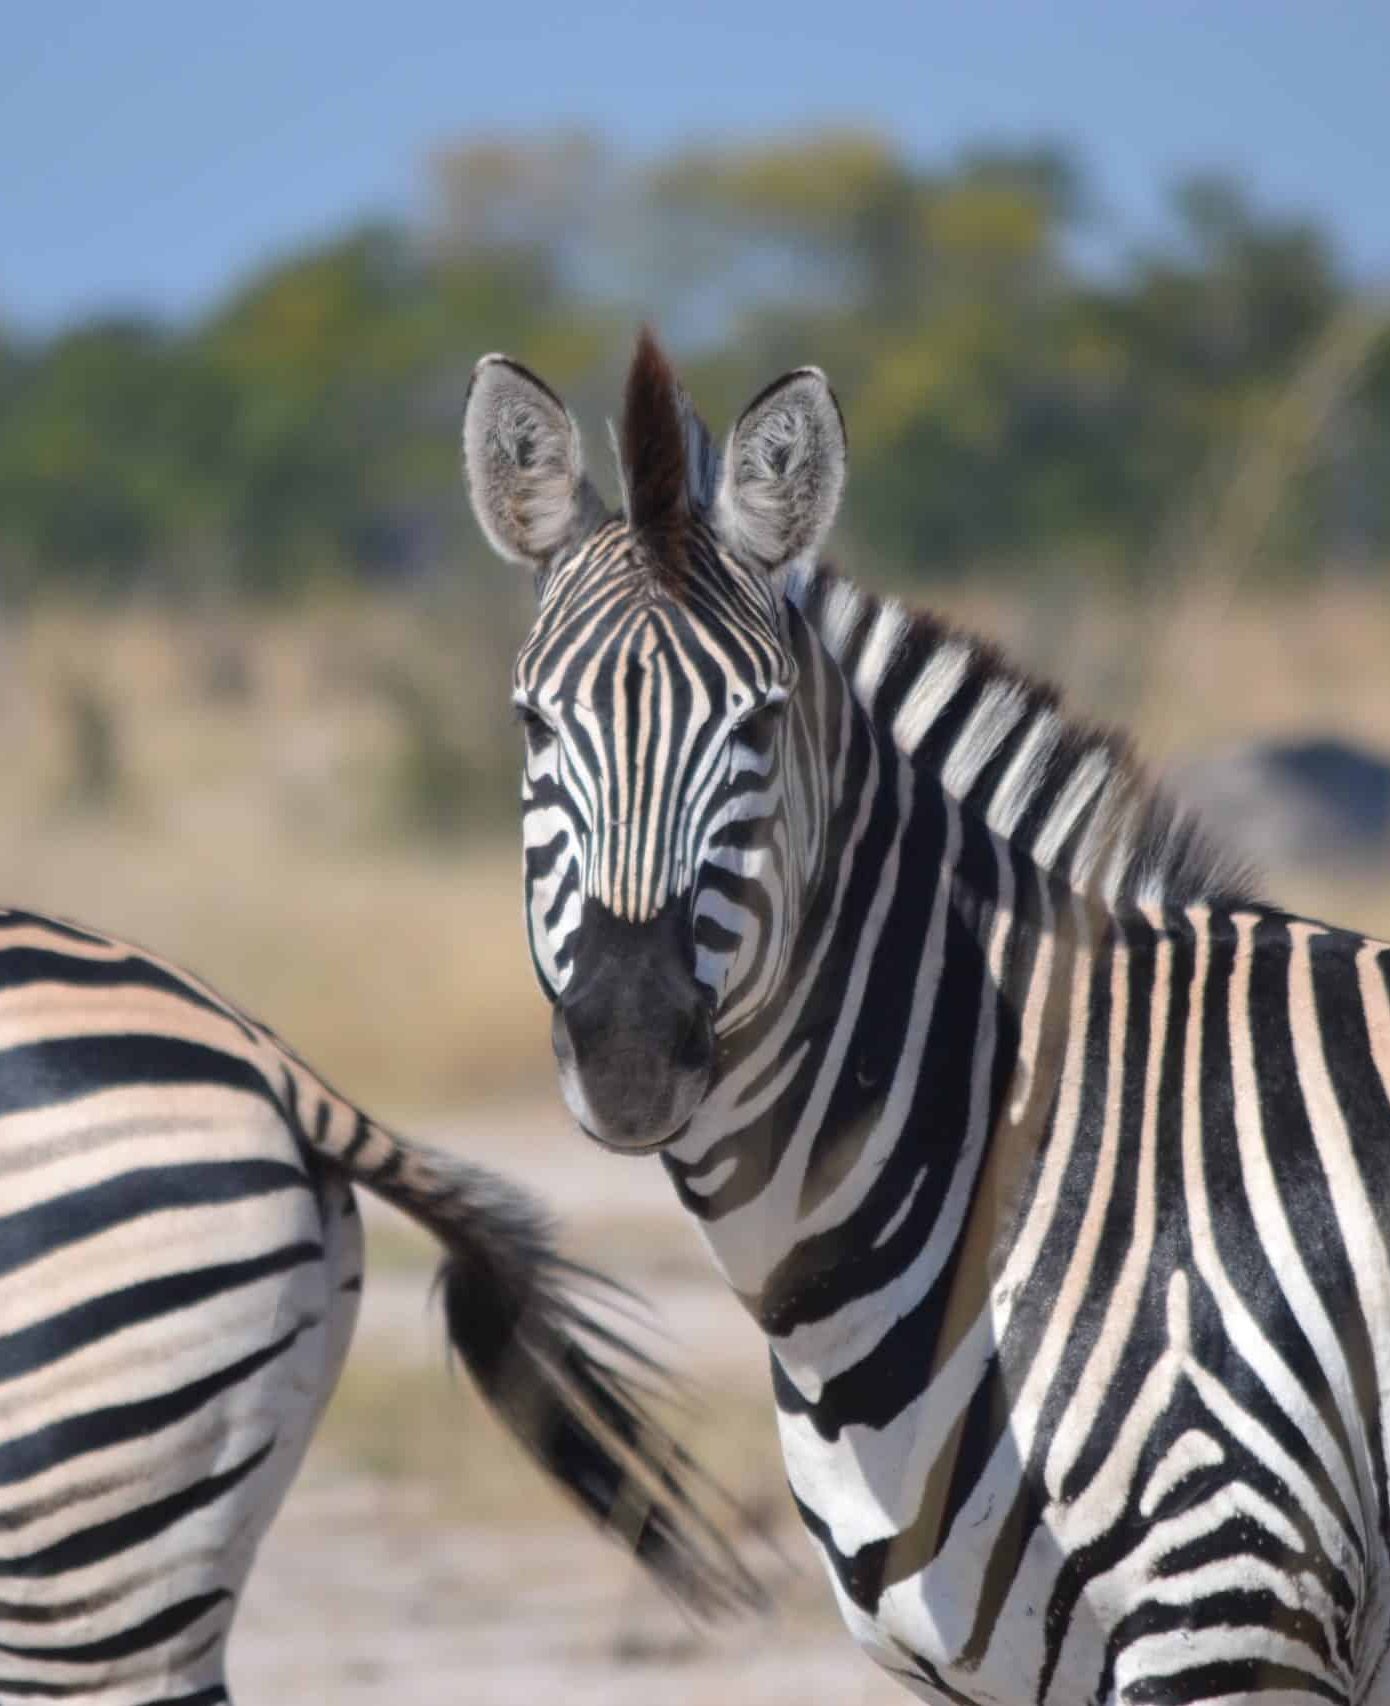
[1294,802]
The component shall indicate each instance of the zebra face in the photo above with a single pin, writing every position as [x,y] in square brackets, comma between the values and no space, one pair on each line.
[658,692]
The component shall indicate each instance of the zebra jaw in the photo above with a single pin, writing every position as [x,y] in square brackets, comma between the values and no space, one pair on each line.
[632,1031]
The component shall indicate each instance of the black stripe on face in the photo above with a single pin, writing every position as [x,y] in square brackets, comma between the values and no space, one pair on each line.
[643,683]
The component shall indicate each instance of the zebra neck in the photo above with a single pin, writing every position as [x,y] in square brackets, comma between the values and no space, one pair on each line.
[849,1122]
[876,1126]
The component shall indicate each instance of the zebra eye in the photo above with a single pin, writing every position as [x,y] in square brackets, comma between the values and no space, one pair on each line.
[538,732]
[758,729]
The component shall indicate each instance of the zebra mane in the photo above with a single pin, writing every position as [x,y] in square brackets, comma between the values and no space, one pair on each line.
[1071,795]
[667,463]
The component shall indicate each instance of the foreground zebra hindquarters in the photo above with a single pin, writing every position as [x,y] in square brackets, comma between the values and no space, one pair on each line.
[1055,1167]
[180,1262]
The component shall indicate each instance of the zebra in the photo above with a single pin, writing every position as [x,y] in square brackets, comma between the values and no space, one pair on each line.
[1053,1163]
[180,1267]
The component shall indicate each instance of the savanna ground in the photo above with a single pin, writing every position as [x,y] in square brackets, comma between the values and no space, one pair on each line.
[312,811]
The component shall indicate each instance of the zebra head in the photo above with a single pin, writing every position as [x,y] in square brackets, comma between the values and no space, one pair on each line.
[665,824]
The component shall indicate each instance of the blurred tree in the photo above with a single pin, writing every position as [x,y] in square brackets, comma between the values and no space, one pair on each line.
[1004,401]
[108,444]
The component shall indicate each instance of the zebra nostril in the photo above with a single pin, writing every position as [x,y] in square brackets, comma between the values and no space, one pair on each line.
[693,1052]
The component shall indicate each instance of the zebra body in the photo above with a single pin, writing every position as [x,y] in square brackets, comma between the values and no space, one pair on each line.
[180,1267]
[1054,1166]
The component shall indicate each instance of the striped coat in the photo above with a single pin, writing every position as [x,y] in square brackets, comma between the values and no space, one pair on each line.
[180,1265]
[1052,1162]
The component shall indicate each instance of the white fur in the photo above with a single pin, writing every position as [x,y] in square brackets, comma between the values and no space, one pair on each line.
[523,462]
[885,640]
[934,688]
[783,472]
[1001,706]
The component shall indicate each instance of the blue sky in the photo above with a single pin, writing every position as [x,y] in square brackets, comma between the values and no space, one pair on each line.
[156,150]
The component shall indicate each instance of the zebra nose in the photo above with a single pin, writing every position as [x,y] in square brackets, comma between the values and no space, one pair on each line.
[632,1080]
[633,1034]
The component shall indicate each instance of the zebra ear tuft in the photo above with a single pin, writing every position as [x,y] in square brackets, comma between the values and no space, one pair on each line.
[523,463]
[784,471]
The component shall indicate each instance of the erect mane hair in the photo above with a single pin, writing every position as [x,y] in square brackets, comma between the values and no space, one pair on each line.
[667,461]
[994,736]
[652,448]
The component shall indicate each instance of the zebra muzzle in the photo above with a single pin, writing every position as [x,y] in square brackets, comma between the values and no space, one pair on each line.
[633,1032]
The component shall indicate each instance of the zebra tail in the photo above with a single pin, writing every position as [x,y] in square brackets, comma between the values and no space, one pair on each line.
[568,1386]
[572,1390]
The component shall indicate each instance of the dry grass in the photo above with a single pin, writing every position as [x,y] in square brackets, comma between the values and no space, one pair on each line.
[1359,903]
[255,831]
[402,975]
[257,825]
[1197,672]
[250,796]
[420,1424]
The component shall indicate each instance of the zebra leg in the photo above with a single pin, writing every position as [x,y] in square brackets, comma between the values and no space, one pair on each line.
[316,1377]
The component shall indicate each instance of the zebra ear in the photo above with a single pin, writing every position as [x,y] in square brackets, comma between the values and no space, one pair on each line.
[784,471]
[523,463]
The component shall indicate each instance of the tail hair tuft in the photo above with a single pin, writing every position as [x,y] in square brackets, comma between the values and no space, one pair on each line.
[573,1388]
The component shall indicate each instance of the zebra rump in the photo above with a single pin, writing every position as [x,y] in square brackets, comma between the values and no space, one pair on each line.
[180,1268]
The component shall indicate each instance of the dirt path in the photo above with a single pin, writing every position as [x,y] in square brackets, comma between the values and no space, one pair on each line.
[361,1597]
[378,1586]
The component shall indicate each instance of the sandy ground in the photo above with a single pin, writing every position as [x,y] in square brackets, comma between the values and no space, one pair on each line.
[378,1585]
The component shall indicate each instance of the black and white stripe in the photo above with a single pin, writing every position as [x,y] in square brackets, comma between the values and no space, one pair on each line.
[1054,1165]
[180,1263]
[626,806]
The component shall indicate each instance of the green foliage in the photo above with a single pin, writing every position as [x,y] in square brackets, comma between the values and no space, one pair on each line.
[1003,401]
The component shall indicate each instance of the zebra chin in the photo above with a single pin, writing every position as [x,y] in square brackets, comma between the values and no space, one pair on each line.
[633,1031]
[630,1131]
